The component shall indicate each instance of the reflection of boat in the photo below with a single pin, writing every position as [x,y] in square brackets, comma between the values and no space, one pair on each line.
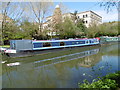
[13,64]
[65,58]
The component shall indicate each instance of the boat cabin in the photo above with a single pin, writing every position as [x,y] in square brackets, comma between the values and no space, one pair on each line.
[23,45]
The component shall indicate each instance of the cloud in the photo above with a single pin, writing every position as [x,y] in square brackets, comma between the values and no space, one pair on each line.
[106,17]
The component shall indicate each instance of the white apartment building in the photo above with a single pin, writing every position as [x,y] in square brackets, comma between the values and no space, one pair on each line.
[90,18]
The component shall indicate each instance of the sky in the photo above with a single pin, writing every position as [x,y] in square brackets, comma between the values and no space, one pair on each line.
[93,6]
[86,6]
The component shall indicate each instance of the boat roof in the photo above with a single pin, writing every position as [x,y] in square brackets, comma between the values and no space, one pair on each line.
[62,40]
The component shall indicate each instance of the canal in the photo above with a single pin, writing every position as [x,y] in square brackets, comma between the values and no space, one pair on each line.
[63,68]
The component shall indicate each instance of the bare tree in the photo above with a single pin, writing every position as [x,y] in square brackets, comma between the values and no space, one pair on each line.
[39,10]
[109,4]
[10,12]
[64,9]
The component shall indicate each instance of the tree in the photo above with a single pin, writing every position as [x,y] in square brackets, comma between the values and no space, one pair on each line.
[82,29]
[109,4]
[64,8]
[75,19]
[105,29]
[39,10]
[108,29]
[12,31]
[67,29]
[92,30]
[10,12]
[28,29]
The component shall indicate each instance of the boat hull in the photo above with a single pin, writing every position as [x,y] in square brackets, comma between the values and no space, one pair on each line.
[44,51]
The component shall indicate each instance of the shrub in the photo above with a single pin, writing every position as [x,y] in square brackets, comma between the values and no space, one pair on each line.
[110,81]
[106,83]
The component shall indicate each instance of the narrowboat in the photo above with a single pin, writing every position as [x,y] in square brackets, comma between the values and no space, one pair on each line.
[107,40]
[19,46]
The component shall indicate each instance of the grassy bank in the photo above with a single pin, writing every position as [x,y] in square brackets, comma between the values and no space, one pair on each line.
[5,46]
[111,81]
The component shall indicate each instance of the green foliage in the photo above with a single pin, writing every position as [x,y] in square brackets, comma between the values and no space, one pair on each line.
[106,83]
[81,28]
[5,46]
[109,29]
[10,31]
[28,29]
[105,29]
[67,29]
[92,31]
[114,76]
[109,81]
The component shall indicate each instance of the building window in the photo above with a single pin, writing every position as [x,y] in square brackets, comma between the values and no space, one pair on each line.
[86,15]
[78,16]
[91,15]
[83,16]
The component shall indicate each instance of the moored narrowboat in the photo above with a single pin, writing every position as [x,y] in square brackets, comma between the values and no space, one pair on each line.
[17,46]
[107,40]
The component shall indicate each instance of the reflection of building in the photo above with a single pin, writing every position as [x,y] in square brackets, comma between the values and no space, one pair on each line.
[91,60]
[88,62]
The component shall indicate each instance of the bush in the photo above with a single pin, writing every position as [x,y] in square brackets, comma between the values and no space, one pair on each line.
[110,81]
[106,83]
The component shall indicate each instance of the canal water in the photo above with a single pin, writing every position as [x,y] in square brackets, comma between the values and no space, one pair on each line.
[63,68]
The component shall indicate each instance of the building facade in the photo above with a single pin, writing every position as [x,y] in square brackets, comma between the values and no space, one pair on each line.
[90,18]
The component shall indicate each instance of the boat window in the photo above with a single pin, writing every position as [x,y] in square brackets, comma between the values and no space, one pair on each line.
[77,42]
[55,44]
[87,41]
[97,40]
[90,41]
[82,42]
[46,44]
[73,43]
[37,45]
[62,43]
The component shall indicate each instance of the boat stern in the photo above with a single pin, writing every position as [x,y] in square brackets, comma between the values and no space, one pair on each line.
[10,51]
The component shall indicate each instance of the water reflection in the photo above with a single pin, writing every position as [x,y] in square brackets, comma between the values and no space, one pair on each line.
[61,70]
[66,58]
